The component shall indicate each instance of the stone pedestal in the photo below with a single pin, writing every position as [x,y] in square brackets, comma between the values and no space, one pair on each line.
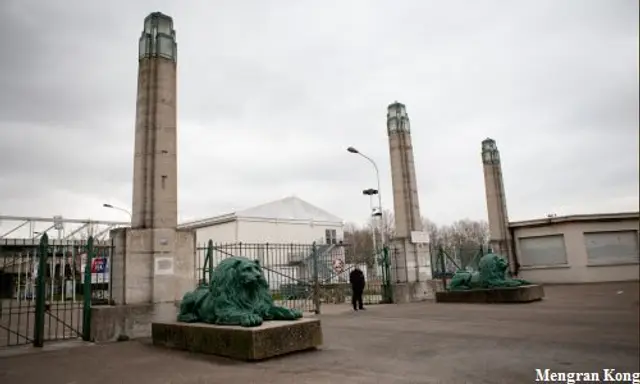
[523,294]
[412,292]
[151,270]
[152,265]
[271,339]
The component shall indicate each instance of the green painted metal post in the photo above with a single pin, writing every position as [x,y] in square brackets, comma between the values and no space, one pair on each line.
[86,292]
[41,292]
[386,268]
[443,268]
[209,261]
[316,280]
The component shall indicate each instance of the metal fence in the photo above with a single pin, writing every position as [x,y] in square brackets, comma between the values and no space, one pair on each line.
[47,288]
[446,261]
[301,276]
[441,264]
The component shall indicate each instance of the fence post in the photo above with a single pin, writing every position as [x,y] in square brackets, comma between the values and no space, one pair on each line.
[443,267]
[316,280]
[386,263]
[86,292]
[38,325]
[111,256]
[208,264]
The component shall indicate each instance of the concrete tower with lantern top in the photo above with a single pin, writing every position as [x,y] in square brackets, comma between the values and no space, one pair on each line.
[155,173]
[500,240]
[411,264]
[153,261]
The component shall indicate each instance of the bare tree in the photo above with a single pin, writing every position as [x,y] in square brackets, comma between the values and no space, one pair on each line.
[461,240]
[359,244]
[434,232]
[388,224]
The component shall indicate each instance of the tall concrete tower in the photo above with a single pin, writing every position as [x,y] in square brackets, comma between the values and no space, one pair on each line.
[412,267]
[155,184]
[153,260]
[500,239]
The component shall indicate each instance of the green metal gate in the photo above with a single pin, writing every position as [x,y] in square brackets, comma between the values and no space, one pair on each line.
[385,263]
[290,269]
[47,288]
[301,276]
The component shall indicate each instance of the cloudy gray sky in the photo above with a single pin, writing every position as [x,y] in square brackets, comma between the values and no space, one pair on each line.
[272,92]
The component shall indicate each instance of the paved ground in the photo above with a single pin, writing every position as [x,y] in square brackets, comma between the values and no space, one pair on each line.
[576,329]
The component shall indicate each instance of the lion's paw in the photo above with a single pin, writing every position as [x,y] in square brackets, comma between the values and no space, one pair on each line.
[282,313]
[250,320]
[295,313]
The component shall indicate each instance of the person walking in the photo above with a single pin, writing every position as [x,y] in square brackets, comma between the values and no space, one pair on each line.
[356,278]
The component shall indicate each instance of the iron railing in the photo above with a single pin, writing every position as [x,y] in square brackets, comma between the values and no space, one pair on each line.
[47,288]
[302,276]
[446,261]
[442,263]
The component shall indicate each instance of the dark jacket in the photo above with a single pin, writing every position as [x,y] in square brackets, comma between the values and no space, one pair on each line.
[356,278]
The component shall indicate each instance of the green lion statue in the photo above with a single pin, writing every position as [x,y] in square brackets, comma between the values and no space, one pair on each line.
[238,294]
[491,274]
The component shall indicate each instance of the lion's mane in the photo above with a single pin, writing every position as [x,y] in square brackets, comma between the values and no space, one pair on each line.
[492,270]
[230,293]
[491,274]
[238,294]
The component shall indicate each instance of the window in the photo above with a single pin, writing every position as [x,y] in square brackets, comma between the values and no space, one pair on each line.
[542,251]
[614,247]
[330,236]
[165,46]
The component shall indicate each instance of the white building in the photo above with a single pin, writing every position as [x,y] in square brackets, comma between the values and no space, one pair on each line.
[280,234]
[289,220]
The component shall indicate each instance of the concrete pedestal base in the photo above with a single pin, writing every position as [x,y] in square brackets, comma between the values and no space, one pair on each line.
[271,339]
[524,294]
[412,292]
[133,321]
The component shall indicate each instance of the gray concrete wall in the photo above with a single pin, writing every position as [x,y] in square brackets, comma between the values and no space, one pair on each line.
[133,321]
[414,291]
[142,276]
[146,286]
[577,269]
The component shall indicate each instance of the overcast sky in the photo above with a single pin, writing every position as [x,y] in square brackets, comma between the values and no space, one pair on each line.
[271,93]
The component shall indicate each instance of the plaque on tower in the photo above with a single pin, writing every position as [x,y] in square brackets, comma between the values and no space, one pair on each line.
[420,237]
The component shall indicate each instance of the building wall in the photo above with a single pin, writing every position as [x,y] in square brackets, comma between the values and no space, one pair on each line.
[219,233]
[260,231]
[576,268]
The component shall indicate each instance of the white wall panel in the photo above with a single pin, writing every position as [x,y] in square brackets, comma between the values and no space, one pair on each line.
[542,250]
[613,247]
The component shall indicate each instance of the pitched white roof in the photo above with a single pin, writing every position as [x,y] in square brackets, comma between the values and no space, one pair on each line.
[289,208]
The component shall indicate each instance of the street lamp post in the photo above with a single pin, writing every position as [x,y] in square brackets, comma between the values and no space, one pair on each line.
[370,192]
[375,166]
[118,209]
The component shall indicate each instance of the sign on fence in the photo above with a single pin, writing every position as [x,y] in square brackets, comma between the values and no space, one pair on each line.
[99,269]
[338,265]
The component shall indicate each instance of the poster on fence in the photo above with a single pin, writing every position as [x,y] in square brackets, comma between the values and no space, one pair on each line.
[99,269]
